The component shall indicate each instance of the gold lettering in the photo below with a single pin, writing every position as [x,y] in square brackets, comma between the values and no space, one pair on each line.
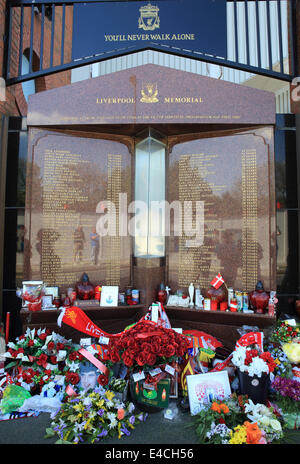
[183,100]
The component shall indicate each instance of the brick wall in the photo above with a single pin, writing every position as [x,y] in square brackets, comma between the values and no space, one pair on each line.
[15,103]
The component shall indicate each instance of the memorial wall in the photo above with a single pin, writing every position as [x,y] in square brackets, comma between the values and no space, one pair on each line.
[219,153]
[70,179]
[233,176]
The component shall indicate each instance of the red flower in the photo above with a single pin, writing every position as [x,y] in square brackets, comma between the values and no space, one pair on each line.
[266,356]
[30,342]
[72,378]
[42,360]
[150,359]
[43,336]
[73,356]
[53,360]
[60,346]
[51,346]
[127,359]
[170,350]
[27,375]
[102,379]
[141,359]
[114,356]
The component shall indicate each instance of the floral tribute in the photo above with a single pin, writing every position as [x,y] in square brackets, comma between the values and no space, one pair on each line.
[236,420]
[147,344]
[285,333]
[39,355]
[252,361]
[91,417]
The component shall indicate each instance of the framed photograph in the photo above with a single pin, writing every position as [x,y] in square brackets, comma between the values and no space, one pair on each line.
[205,388]
[52,291]
[47,302]
[109,296]
[88,376]
[174,386]
[30,286]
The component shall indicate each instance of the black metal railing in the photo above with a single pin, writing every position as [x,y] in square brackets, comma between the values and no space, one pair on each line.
[252,48]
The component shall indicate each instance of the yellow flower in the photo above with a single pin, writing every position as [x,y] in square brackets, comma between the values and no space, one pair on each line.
[78,407]
[119,429]
[100,403]
[109,395]
[239,436]
[87,424]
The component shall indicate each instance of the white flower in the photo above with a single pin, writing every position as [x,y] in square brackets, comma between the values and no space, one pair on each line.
[12,345]
[39,332]
[275,424]
[131,408]
[73,366]
[257,367]
[87,401]
[264,421]
[61,355]
[111,416]
[239,356]
[113,424]
[78,427]
[119,405]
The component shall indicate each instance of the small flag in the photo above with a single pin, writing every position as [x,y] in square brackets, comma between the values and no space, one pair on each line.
[217,281]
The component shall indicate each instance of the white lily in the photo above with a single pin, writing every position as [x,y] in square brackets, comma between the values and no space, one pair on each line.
[12,345]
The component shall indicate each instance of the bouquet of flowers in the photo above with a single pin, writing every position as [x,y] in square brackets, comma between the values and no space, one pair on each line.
[266,420]
[292,351]
[252,361]
[147,344]
[286,398]
[236,420]
[91,417]
[285,333]
[283,365]
[286,388]
[39,355]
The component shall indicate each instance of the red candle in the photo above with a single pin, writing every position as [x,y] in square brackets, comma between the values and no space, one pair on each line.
[7,327]
[214,305]
[223,305]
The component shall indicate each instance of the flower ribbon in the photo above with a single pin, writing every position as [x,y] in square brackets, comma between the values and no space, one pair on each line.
[70,391]
[94,360]
[148,334]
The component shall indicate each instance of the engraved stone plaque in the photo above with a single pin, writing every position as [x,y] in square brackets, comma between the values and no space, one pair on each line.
[70,179]
[232,177]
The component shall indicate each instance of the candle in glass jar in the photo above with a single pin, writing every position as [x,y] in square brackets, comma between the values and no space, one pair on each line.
[214,305]
[223,305]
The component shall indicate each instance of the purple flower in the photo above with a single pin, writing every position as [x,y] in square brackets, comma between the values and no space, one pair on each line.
[287,387]
[78,438]
[103,433]
[131,420]
[124,430]
[100,412]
